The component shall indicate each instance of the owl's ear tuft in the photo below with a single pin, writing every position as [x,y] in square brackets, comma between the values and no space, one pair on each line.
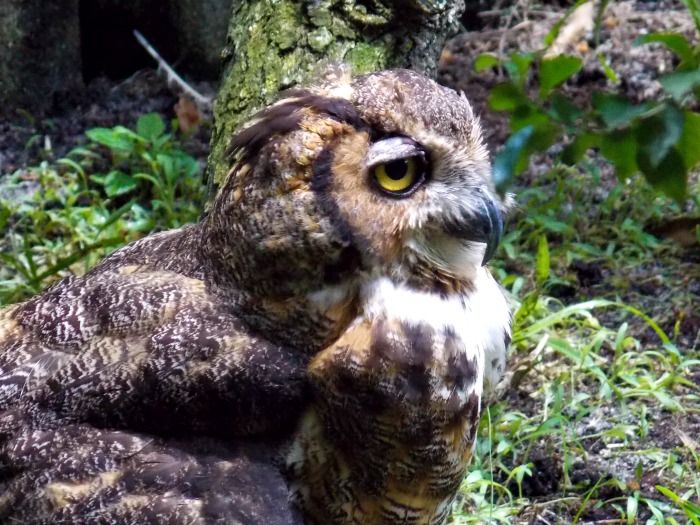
[281,118]
[285,116]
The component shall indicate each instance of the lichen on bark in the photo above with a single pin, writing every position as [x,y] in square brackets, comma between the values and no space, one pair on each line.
[276,44]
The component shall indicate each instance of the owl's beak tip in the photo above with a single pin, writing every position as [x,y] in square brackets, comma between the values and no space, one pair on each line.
[493,227]
[482,223]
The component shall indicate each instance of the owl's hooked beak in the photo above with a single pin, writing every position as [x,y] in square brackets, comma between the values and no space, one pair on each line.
[483,224]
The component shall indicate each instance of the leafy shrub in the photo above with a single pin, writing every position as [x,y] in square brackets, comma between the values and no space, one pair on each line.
[65,216]
[658,138]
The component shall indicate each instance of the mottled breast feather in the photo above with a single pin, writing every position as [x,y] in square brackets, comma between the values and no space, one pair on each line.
[396,408]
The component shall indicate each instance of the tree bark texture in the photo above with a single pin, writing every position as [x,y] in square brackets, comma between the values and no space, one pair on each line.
[200,26]
[276,44]
[39,54]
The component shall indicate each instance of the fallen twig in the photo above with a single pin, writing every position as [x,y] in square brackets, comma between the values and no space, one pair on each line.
[581,20]
[171,76]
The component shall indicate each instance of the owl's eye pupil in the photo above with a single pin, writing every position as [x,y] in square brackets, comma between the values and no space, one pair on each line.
[399,177]
[397,169]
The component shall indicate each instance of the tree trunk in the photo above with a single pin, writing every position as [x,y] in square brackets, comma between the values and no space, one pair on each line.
[276,44]
[200,27]
[39,54]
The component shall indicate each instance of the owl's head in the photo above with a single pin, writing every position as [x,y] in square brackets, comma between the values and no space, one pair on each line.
[380,174]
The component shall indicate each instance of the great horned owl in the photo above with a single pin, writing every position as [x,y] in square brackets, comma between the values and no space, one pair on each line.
[313,351]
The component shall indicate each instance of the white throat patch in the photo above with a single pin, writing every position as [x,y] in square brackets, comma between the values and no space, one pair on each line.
[480,318]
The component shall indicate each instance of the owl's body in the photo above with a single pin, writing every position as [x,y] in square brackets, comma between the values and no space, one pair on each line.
[411,365]
[134,395]
[317,345]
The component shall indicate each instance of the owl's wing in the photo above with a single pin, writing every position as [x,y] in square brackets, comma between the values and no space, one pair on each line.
[75,474]
[100,373]
[144,350]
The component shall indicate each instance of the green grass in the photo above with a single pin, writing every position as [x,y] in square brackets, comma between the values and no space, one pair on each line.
[64,216]
[596,421]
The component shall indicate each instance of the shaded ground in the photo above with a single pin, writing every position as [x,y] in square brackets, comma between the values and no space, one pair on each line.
[105,103]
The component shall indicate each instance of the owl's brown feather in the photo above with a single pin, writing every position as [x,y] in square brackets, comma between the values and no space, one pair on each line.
[402,461]
[99,373]
[76,474]
[315,349]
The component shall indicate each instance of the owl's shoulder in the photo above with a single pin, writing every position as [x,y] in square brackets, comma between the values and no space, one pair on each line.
[115,385]
[139,342]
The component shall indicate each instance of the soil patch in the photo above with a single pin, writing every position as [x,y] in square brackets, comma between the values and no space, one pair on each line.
[104,103]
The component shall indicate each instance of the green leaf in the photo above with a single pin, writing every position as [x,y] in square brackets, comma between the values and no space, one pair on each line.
[506,161]
[542,264]
[110,138]
[689,143]
[679,84]
[150,126]
[116,215]
[168,166]
[117,183]
[553,225]
[485,61]
[620,148]
[616,111]
[550,426]
[517,66]
[506,97]
[564,109]
[189,166]
[575,151]
[152,179]
[669,175]
[84,152]
[694,8]
[632,508]
[545,130]
[658,133]
[691,509]
[71,164]
[555,71]
[673,41]
[5,213]
[98,178]
[607,69]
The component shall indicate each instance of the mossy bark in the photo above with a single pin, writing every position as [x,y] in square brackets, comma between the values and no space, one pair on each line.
[276,44]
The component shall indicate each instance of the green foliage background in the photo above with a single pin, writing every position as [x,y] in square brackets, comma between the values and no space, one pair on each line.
[65,216]
[658,138]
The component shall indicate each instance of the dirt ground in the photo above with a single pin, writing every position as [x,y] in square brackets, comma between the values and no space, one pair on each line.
[105,103]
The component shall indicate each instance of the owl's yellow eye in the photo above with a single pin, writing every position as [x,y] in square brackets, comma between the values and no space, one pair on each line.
[398,176]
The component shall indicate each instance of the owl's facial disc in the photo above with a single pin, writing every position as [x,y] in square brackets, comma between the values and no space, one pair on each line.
[399,166]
